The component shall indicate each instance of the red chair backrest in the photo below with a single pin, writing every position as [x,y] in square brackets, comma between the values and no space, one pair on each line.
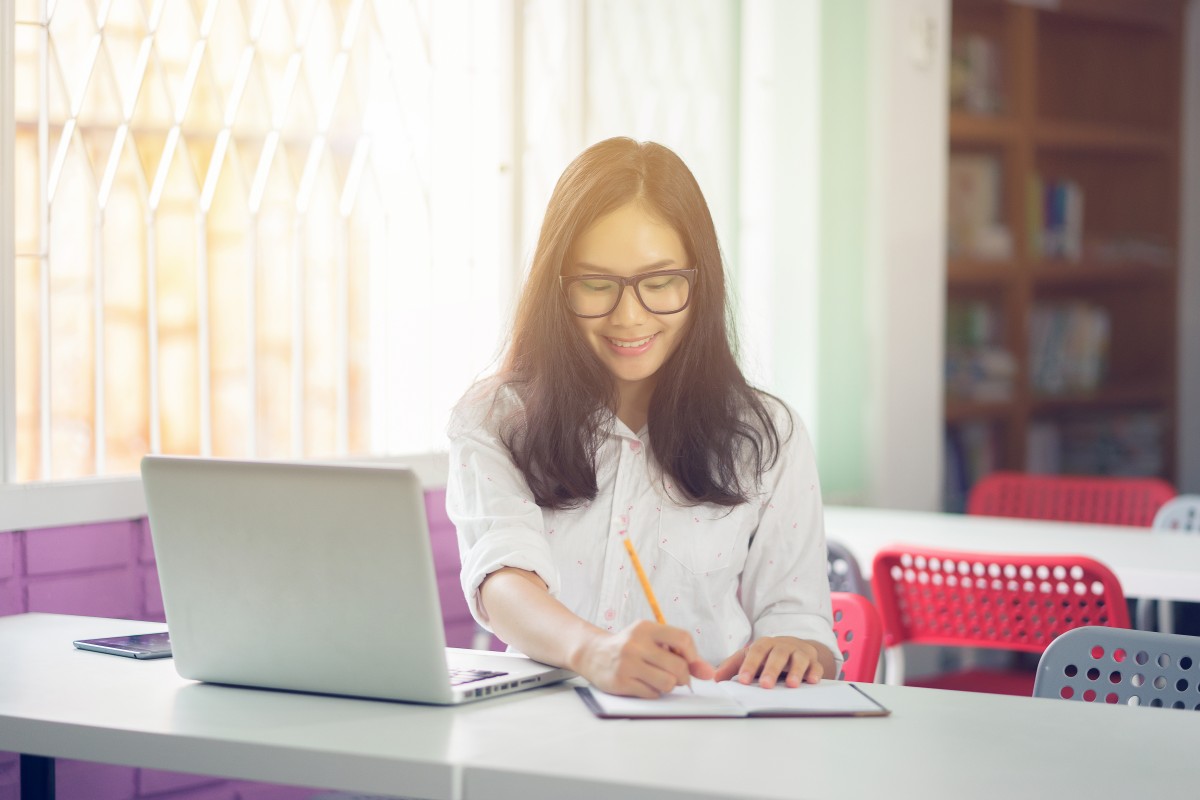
[1070,498]
[1005,601]
[859,632]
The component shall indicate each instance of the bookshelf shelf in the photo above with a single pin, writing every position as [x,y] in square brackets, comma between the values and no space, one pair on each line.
[1065,273]
[1063,217]
[974,272]
[982,129]
[1050,134]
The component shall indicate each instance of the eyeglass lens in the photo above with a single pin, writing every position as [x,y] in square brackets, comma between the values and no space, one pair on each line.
[660,294]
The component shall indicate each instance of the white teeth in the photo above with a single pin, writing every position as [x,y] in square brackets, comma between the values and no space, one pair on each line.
[638,343]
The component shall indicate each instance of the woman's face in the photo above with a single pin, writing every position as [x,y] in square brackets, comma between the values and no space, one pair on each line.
[631,341]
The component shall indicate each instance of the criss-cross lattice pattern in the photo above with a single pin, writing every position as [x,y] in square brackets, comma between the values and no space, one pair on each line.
[1013,602]
[215,197]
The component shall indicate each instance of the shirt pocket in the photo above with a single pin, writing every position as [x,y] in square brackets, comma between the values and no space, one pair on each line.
[704,539]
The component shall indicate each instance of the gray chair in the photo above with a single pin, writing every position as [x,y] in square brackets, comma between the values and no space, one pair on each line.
[1117,665]
[1181,514]
[844,572]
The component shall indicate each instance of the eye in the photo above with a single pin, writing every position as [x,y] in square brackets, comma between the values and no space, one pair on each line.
[597,286]
[658,284]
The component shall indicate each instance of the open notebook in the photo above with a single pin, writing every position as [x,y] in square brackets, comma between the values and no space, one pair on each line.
[732,699]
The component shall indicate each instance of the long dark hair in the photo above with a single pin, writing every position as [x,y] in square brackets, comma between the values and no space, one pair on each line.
[710,431]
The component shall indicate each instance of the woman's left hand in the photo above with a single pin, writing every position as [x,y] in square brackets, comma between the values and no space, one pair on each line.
[770,657]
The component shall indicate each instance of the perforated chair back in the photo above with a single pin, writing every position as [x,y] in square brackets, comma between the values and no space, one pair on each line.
[1003,601]
[1070,498]
[1108,665]
[844,572]
[859,632]
[1180,514]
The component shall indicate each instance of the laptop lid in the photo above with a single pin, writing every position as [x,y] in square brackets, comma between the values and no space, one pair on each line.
[307,577]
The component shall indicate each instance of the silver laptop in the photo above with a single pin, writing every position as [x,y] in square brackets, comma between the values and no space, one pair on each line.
[313,578]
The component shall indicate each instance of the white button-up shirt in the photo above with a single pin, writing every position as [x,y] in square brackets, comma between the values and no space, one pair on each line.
[726,575]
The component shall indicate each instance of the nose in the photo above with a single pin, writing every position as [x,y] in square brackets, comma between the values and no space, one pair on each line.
[628,311]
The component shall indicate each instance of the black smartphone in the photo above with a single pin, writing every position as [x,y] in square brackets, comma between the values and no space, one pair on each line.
[143,645]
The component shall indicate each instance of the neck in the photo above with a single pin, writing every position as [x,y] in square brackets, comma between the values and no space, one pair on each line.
[633,403]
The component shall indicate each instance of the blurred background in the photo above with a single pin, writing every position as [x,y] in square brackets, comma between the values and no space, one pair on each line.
[962,235]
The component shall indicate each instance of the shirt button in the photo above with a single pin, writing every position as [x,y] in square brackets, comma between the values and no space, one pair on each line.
[636,447]
[610,614]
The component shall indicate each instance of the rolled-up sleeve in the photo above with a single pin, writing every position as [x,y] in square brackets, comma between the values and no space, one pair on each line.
[499,523]
[785,586]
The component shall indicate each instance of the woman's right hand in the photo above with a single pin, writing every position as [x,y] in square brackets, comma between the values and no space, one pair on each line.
[644,660]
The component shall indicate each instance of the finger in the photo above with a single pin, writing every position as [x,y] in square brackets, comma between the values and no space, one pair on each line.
[678,640]
[640,688]
[815,672]
[668,661]
[659,680]
[775,663]
[796,669]
[752,663]
[703,670]
[730,666]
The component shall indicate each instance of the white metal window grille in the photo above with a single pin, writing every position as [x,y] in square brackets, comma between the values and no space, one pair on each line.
[248,227]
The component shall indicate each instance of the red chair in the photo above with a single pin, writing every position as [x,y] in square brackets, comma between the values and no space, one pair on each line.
[1070,498]
[859,632]
[1000,601]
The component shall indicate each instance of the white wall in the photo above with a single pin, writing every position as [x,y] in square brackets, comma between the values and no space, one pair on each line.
[775,271]
[906,250]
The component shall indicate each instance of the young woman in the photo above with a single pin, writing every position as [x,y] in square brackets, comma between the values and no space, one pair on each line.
[620,411]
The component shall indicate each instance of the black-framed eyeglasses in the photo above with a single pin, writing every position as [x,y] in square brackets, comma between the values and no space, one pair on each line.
[665,291]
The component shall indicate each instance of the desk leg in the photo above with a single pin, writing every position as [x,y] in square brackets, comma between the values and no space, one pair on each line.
[37,777]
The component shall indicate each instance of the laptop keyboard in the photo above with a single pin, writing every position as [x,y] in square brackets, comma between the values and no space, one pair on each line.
[461,676]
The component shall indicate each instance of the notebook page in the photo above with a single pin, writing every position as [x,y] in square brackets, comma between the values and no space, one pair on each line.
[829,698]
[704,699]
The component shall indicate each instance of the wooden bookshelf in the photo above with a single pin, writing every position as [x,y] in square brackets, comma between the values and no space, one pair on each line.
[1063,197]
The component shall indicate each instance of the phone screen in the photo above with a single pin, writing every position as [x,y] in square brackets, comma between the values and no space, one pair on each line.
[142,645]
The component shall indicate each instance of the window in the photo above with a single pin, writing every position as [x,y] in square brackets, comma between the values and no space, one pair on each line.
[249,228]
[294,228]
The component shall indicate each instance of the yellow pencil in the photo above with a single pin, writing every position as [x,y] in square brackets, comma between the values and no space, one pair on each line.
[641,573]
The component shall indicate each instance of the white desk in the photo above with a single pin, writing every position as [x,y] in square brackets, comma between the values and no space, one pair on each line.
[1147,564]
[57,702]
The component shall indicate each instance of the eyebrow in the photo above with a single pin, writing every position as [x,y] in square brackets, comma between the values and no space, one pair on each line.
[584,267]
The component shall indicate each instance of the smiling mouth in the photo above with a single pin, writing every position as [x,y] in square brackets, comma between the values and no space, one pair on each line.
[630,343]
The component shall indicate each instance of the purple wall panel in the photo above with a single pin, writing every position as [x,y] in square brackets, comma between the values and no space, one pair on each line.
[8,555]
[10,776]
[81,547]
[94,781]
[154,781]
[113,593]
[11,599]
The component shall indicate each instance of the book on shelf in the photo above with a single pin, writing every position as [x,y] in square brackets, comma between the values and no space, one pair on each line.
[976,77]
[1056,219]
[1068,347]
[975,227]
[1128,443]
[971,451]
[979,367]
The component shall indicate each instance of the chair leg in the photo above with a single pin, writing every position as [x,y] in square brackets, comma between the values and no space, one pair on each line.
[1144,614]
[893,660]
[1166,616]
